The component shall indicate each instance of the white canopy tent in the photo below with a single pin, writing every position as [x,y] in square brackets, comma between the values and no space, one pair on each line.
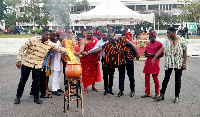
[111,10]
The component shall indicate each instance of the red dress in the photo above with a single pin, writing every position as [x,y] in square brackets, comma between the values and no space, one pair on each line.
[90,65]
[152,48]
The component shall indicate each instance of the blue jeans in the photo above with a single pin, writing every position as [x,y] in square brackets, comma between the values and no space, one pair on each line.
[25,72]
[130,71]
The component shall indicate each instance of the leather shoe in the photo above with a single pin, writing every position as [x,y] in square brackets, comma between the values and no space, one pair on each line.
[146,95]
[111,92]
[60,90]
[176,100]
[156,96]
[105,93]
[38,101]
[120,94]
[161,97]
[132,93]
[56,93]
[17,100]
[45,96]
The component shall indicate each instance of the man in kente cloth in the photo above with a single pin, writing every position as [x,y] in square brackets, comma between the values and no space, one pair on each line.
[108,73]
[119,52]
[90,63]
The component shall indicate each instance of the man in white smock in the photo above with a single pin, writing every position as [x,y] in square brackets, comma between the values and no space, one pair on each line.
[56,70]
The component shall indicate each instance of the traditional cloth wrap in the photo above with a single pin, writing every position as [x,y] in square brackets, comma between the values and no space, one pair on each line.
[117,53]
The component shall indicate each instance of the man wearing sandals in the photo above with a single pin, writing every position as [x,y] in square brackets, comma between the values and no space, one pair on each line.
[90,63]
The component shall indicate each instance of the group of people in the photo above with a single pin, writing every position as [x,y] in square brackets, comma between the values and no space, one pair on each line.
[182,31]
[116,52]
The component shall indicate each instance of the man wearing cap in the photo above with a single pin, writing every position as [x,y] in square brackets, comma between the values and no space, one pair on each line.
[151,49]
[175,50]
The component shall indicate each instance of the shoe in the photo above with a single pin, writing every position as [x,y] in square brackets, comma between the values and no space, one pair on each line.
[56,93]
[60,90]
[17,100]
[156,96]
[132,93]
[119,94]
[38,101]
[105,93]
[45,96]
[95,89]
[161,97]
[146,95]
[111,92]
[31,93]
[176,100]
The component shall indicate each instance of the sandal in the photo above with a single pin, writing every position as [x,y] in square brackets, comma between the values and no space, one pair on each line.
[95,89]
[85,91]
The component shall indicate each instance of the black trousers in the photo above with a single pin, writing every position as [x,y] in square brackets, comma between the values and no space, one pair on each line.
[25,72]
[43,82]
[108,72]
[130,71]
[178,74]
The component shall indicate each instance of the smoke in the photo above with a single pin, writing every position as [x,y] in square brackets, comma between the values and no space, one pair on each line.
[59,13]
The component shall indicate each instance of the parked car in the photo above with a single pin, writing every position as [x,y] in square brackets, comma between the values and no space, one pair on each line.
[3,31]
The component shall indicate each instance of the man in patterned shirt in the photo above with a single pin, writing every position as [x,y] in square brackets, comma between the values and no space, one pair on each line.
[175,50]
[35,51]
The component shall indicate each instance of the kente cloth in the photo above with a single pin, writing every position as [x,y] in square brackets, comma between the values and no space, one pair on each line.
[90,65]
[117,52]
[152,68]
[71,46]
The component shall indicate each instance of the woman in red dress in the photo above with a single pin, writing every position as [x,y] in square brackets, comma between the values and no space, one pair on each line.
[151,49]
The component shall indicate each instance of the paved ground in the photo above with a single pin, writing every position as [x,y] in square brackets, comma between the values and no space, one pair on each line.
[98,105]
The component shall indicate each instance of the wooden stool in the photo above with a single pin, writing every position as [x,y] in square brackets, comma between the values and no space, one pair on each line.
[78,95]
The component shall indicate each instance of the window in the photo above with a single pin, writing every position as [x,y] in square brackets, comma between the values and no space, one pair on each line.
[163,7]
[170,7]
[21,9]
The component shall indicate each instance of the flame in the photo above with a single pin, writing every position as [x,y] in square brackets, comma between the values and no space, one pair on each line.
[71,55]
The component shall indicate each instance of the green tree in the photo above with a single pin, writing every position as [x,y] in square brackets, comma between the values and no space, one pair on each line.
[35,11]
[59,11]
[3,10]
[191,11]
[13,3]
[165,19]
[10,20]
[80,6]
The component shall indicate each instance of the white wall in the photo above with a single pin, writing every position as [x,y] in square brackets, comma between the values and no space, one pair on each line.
[2,25]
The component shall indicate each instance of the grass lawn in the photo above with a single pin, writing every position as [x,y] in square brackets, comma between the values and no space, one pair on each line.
[2,35]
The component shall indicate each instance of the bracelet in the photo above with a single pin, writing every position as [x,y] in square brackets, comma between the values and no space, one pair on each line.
[184,64]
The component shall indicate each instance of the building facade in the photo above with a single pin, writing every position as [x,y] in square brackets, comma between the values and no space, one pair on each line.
[141,6]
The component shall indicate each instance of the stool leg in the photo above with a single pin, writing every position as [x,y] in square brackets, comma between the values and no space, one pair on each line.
[64,104]
[77,94]
[81,91]
[69,86]
[65,83]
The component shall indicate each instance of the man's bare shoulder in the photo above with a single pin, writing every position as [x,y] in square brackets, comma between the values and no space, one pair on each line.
[83,41]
